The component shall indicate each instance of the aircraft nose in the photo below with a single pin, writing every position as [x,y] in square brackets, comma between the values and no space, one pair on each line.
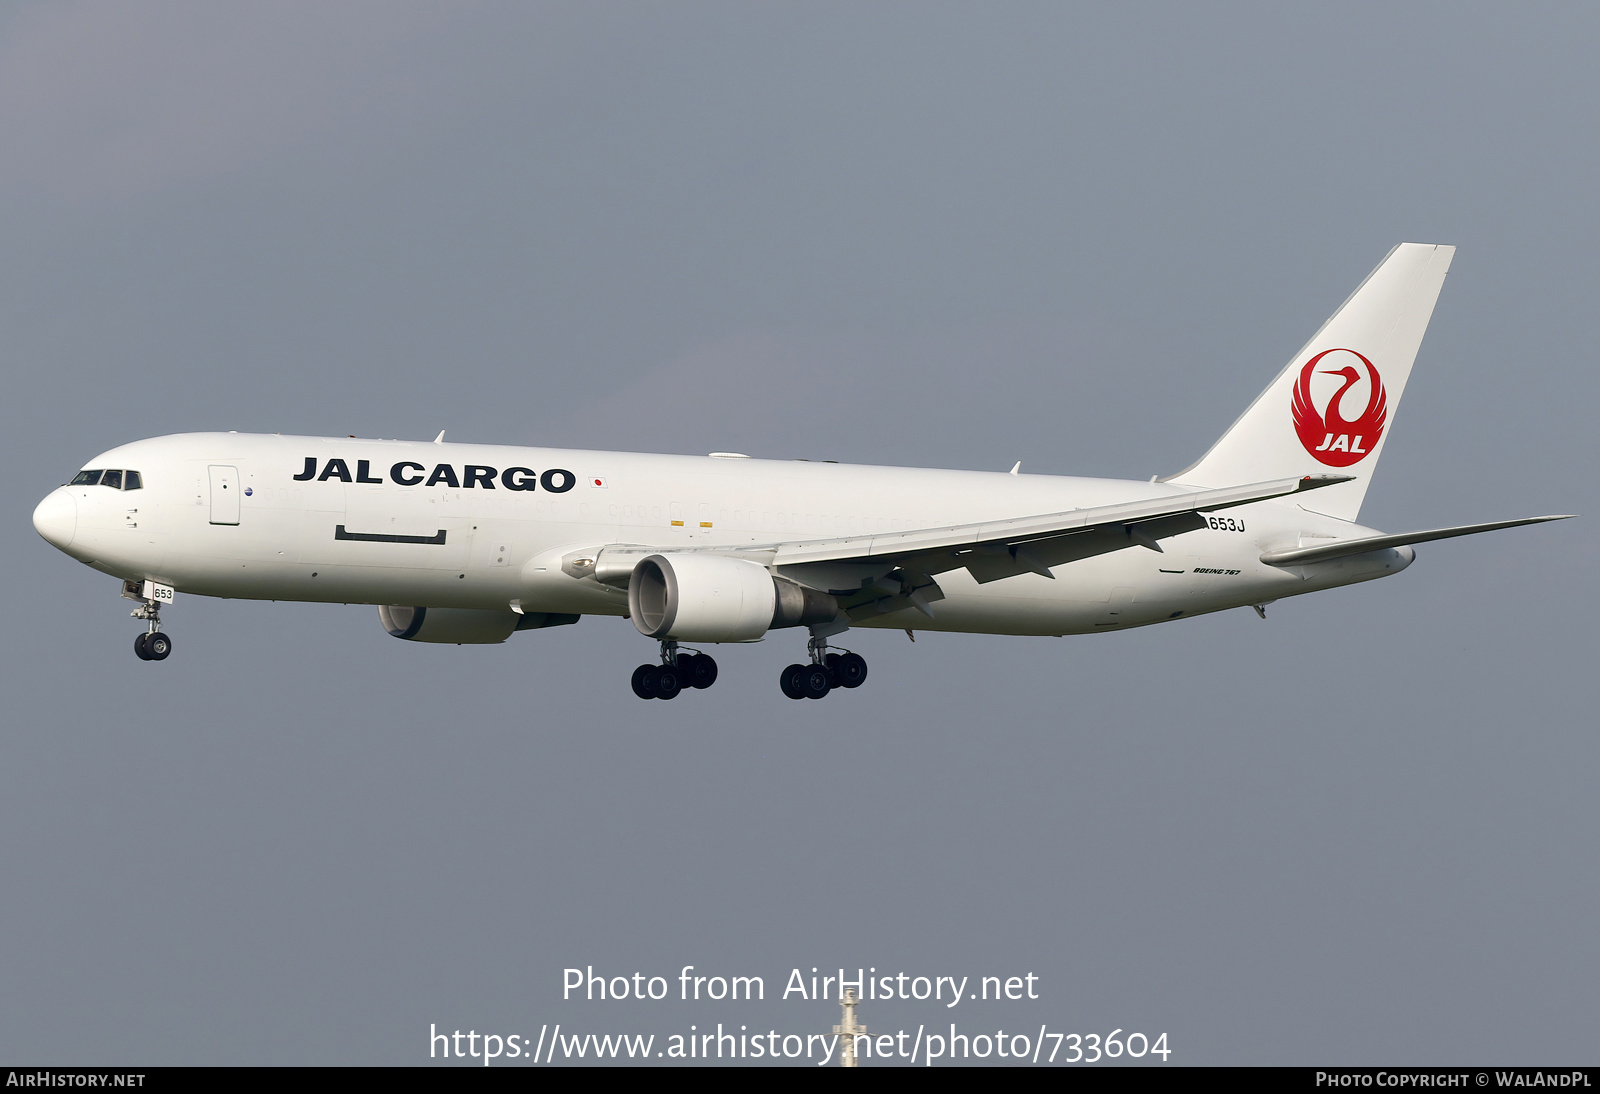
[56,518]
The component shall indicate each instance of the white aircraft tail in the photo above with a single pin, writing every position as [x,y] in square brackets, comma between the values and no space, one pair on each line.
[1331,409]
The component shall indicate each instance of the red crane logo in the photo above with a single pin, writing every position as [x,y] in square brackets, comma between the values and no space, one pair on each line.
[1327,434]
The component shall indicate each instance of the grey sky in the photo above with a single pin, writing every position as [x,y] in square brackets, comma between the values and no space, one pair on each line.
[1082,237]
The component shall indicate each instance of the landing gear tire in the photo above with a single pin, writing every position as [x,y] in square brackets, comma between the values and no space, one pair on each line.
[817,681]
[644,681]
[668,682]
[153,646]
[675,672]
[849,669]
[792,681]
[697,670]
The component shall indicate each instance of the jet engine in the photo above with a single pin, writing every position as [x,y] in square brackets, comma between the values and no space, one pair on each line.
[463,626]
[697,597]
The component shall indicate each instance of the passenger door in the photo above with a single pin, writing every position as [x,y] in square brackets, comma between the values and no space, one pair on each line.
[224,494]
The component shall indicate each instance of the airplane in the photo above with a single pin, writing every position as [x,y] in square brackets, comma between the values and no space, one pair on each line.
[471,543]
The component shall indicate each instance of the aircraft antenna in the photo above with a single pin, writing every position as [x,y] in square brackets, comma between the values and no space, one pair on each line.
[440,438]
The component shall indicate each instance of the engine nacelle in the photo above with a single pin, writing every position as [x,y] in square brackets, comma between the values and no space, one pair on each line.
[697,597]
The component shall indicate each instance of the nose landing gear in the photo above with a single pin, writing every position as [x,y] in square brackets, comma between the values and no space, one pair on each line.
[676,672]
[152,645]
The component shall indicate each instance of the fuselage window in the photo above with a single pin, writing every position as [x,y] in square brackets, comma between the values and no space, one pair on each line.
[131,480]
[87,478]
[112,479]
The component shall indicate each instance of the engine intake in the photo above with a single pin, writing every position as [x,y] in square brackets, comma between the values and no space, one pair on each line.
[714,598]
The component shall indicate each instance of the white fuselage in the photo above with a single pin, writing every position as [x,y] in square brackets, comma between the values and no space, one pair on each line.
[503,544]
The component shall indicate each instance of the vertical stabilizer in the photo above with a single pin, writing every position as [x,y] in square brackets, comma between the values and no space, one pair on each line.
[1331,409]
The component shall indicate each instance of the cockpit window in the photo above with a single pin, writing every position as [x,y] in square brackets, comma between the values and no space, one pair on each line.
[117,480]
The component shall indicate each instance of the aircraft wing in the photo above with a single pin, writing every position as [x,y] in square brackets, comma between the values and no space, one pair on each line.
[992,550]
[1346,547]
[890,571]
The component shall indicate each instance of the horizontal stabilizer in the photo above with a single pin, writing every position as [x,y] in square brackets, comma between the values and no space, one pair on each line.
[1347,547]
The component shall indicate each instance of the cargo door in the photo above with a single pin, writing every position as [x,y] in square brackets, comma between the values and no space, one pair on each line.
[224,494]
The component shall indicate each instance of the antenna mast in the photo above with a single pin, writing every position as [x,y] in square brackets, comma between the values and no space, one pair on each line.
[849,1029]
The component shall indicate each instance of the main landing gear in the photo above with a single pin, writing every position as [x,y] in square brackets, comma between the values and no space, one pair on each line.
[152,645]
[676,672]
[825,672]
